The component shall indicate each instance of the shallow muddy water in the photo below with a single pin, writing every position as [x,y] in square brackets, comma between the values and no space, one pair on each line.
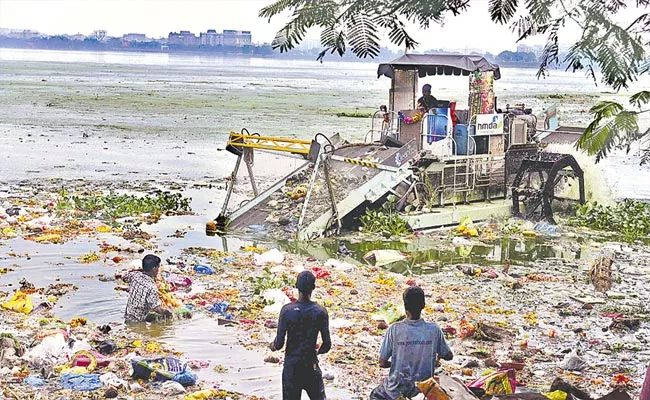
[152,118]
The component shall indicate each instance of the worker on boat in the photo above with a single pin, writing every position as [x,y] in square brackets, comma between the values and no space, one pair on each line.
[410,349]
[144,303]
[301,321]
[427,101]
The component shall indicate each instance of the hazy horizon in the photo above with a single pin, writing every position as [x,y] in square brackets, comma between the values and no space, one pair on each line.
[156,18]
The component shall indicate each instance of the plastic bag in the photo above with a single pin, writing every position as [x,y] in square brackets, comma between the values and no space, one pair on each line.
[279,299]
[273,256]
[432,390]
[499,382]
[556,395]
[81,381]
[163,369]
[320,273]
[203,269]
[466,227]
[378,258]
[19,302]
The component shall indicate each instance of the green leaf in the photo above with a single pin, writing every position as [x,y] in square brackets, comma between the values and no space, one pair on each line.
[502,11]
[362,35]
[611,128]
[640,99]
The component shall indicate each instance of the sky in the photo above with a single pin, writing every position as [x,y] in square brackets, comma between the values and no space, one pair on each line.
[156,18]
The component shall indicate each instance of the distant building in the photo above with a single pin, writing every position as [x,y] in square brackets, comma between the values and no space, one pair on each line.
[183,38]
[22,34]
[211,38]
[99,35]
[236,38]
[135,37]
[78,36]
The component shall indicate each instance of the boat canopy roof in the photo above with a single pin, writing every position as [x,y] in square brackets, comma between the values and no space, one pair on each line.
[438,64]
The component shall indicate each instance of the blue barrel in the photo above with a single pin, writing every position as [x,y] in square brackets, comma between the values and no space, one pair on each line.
[437,122]
[461,140]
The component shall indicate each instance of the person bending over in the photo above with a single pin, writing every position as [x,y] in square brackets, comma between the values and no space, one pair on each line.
[144,303]
[410,349]
[301,322]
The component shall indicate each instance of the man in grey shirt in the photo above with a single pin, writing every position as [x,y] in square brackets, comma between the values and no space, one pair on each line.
[413,347]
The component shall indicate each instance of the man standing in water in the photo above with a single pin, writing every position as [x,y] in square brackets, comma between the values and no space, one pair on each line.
[144,303]
[301,321]
[413,347]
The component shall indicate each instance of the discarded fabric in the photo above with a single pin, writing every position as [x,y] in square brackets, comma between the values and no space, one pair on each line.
[203,269]
[81,381]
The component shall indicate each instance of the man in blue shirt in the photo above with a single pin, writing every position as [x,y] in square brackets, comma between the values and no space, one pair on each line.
[410,349]
[301,322]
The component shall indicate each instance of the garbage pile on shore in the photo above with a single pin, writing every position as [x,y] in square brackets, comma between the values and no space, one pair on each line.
[582,321]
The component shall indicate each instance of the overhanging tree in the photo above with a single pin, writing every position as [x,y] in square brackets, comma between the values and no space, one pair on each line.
[619,52]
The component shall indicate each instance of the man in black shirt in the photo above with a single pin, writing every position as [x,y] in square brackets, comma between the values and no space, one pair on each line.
[427,101]
[301,321]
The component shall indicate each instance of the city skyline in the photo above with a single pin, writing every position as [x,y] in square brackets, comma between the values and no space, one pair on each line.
[157,18]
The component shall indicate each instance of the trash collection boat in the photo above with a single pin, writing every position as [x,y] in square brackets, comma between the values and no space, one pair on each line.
[434,167]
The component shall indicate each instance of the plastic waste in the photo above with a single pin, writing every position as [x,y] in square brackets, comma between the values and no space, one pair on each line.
[556,395]
[378,258]
[163,369]
[204,394]
[278,299]
[546,228]
[176,280]
[109,379]
[273,256]
[432,390]
[388,313]
[49,352]
[499,382]
[203,269]
[573,362]
[81,381]
[320,273]
[221,308]
[19,302]
[257,228]
[340,266]
[33,380]
[171,388]
[107,347]
[466,227]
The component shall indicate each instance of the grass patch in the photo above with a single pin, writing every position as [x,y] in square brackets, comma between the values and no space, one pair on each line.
[385,220]
[630,218]
[111,206]
[354,114]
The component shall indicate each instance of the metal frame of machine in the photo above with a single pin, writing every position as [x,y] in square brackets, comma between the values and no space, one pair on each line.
[401,164]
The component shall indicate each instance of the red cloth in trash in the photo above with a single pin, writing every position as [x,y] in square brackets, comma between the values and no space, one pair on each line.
[84,361]
[320,273]
[645,391]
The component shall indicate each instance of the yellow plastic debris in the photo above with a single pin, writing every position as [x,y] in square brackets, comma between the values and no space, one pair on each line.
[556,395]
[529,234]
[432,390]
[9,232]
[49,238]
[103,229]
[467,228]
[19,302]
[207,394]
[78,321]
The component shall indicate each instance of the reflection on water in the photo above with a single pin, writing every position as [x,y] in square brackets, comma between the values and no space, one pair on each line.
[427,256]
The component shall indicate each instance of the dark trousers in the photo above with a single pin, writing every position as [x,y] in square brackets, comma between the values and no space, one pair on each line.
[297,377]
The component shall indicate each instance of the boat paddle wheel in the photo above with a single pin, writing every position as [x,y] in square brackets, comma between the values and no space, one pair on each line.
[534,186]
